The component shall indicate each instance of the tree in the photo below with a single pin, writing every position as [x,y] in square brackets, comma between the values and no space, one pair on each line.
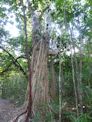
[55,35]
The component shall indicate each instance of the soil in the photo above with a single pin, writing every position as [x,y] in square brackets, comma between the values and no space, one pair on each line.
[6,110]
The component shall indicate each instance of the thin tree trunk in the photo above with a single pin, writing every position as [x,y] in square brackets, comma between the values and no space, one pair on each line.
[73,58]
[89,64]
[74,83]
[52,80]
[29,106]
[60,87]
[80,92]
[60,93]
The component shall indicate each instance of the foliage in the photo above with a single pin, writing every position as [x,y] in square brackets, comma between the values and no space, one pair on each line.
[70,31]
[13,87]
[81,118]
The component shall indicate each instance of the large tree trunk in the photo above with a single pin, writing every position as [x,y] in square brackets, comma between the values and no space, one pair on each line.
[40,80]
[39,70]
[37,100]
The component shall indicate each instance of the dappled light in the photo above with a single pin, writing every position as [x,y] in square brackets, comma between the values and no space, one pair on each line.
[46,61]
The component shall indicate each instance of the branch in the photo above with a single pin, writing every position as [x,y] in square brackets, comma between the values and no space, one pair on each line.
[47,7]
[14,61]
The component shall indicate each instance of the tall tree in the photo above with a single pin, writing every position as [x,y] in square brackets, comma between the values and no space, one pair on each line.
[38,97]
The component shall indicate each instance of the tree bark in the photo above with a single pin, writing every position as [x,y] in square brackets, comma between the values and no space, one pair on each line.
[37,99]
[39,70]
[52,80]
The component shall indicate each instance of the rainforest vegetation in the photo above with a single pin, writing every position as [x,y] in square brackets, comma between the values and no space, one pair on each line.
[45,61]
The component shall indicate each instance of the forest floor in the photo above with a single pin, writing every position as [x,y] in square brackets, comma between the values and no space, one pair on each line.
[6,110]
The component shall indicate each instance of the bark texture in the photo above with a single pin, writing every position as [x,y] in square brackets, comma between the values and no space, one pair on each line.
[53,80]
[40,80]
[39,70]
